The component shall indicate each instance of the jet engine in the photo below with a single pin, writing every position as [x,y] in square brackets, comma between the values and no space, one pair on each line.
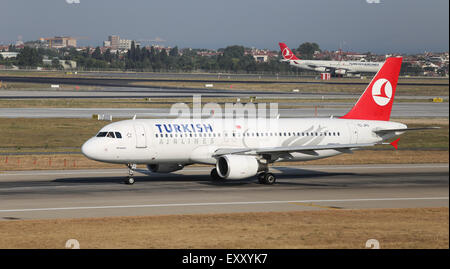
[320,69]
[164,167]
[238,166]
[340,71]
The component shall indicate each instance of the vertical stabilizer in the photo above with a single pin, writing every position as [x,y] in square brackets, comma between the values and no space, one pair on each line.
[376,101]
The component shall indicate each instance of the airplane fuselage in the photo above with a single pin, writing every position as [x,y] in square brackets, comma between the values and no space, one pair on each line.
[186,141]
[337,66]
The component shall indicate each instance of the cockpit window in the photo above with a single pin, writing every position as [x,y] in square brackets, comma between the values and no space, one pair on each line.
[111,135]
[118,135]
[101,134]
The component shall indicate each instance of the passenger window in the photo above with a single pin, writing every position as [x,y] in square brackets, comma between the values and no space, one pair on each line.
[101,134]
[118,135]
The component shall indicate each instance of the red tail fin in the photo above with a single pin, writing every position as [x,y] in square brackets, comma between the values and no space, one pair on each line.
[287,53]
[376,101]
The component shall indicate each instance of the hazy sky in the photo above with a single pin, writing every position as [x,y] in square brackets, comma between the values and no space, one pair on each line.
[402,26]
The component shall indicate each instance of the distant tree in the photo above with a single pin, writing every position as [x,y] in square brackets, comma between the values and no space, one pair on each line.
[307,50]
[97,54]
[29,57]
[409,69]
[107,56]
[234,51]
[173,52]
[56,64]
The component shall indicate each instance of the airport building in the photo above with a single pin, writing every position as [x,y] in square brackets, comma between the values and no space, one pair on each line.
[125,44]
[58,42]
[7,55]
[115,43]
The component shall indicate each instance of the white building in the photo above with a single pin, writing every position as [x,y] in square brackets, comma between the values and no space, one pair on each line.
[125,44]
[7,55]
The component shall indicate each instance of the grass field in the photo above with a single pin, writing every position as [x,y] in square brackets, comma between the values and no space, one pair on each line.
[313,87]
[302,87]
[416,228]
[25,134]
[165,103]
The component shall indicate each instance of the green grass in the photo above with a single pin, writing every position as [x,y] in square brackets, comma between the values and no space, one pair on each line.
[24,134]
[57,134]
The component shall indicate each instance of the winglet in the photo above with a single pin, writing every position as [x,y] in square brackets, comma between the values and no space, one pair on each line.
[395,143]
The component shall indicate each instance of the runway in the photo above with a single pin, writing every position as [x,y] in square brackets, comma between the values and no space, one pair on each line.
[399,110]
[101,193]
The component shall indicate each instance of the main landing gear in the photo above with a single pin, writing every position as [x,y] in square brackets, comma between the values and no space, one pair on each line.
[263,178]
[266,178]
[129,180]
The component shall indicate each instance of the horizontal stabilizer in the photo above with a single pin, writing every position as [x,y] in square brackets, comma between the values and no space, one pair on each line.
[386,131]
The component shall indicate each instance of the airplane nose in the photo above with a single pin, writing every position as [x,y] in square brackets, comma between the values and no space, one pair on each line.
[90,150]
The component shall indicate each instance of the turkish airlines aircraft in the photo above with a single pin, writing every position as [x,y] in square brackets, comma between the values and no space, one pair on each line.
[334,67]
[240,150]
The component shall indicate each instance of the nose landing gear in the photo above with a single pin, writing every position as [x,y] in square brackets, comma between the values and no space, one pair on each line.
[129,180]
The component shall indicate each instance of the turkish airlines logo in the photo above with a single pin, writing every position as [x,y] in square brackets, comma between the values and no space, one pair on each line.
[287,54]
[382,92]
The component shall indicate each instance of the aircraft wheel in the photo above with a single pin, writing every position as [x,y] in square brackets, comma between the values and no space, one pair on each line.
[261,178]
[269,179]
[129,181]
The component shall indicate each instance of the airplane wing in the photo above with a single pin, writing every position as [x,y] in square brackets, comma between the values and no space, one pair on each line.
[387,131]
[345,148]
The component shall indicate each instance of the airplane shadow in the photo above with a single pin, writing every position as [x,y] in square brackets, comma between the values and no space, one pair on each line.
[293,176]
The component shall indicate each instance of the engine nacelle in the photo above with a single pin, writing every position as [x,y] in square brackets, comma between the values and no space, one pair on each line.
[164,167]
[237,166]
[320,69]
[340,71]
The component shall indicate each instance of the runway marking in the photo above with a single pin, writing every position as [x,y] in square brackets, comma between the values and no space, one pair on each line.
[220,203]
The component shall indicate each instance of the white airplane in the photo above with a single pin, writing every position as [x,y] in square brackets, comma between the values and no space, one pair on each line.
[333,67]
[238,150]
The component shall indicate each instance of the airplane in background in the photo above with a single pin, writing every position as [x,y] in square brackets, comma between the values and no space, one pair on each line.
[333,67]
[240,151]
